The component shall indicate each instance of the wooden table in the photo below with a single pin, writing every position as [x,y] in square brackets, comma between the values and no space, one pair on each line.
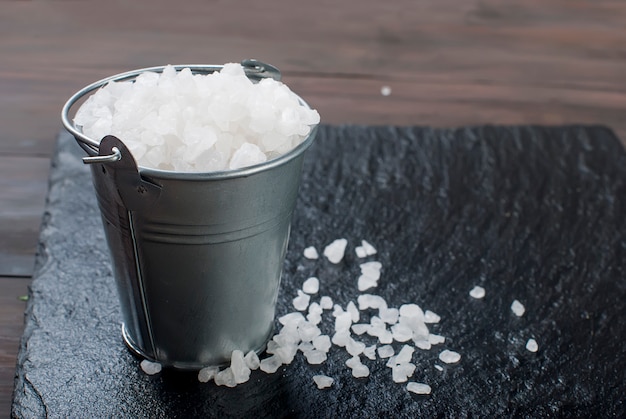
[447,63]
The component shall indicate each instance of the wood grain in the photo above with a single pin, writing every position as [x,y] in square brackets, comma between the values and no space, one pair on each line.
[448,63]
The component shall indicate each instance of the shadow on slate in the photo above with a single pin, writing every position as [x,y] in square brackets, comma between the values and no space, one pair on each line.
[529,213]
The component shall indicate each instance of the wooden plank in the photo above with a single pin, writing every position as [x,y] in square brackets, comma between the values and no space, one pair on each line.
[11,327]
[23,187]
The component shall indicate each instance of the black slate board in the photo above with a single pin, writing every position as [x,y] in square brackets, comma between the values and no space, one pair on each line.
[530,213]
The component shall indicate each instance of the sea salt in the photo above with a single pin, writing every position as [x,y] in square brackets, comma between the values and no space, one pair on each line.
[518,308]
[206,374]
[225,378]
[326,302]
[322,343]
[315,357]
[532,346]
[311,285]
[385,351]
[370,352]
[477,292]
[150,367]
[271,364]
[240,371]
[400,373]
[301,302]
[252,360]
[449,357]
[335,251]
[323,381]
[197,123]
[418,388]
[430,317]
[311,253]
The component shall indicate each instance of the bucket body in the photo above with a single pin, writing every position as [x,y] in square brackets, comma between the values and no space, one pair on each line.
[198,269]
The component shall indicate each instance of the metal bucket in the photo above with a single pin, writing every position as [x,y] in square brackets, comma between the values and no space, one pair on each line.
[197,257]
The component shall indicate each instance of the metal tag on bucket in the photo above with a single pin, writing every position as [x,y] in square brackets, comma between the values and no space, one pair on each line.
[197,257]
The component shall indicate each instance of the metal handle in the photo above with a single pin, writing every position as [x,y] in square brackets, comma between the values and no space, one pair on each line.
[110,158]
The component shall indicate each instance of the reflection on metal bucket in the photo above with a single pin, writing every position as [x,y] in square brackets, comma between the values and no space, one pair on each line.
[197,257]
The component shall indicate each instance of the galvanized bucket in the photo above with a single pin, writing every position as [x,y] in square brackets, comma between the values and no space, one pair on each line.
[197,257]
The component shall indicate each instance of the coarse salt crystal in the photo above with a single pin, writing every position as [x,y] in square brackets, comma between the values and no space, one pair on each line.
[518,308]
[531,345]
[315,357]
[449,357]
[206,374]
[322,343]
[326,302]
[430,317]
[311,253]
[418,388]
[385,351]
[270,365]
[252,360]
[335,251]
[311,285]
[438,367]
[370,352]
[225,378]
[150,367]
[323,381]
[301,302]
[477,292]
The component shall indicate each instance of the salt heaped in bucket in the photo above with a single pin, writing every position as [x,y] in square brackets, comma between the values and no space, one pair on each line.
[185,122]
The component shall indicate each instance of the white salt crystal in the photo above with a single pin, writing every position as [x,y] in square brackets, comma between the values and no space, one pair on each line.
[252,360]
[411,310]
[323,381]
[341,338]
[322,343]
[405,354]
[371,269]
[366,282]
[400,373]
[315,313]
[225,378]
[531,345]
[301,302]
[370,352]
[360,328]
[436,339]
[308,331]
[150,367]
[430,317]
[270,365]
[354,312]
[401,333]
[518,308]
[337,310]
[418,388]
[385,351]
[360,252]
[343,322]
[241,372]
[311,285]
[247,155]
[354,347]
[287,353]
[449,357]
[326,302]
[385,337]
[391,362]
[422,344]
[438,367]
[369,249]
[389,315]
[359,370]
[335,251]
[206,374]
[291,318]
[315,357]
[366,301]
[477,292]
[311,253]
[306,346]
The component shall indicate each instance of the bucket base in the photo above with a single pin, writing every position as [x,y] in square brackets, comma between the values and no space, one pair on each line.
[134,348]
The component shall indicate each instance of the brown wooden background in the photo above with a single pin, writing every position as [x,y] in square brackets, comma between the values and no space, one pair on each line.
[448,63]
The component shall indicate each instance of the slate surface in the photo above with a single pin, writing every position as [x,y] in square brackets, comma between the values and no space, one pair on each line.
[530,213]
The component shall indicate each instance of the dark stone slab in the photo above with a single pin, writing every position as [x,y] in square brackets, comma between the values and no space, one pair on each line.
[530,213]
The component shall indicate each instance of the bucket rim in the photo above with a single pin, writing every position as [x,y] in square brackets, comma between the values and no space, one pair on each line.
[90,146]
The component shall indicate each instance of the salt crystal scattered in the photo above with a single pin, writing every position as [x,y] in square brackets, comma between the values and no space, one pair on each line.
[477,292]
[206,374]
[436,339]
[531,345]
[422,344]
[241,372]
[369,249]
[411,310]
[360,252]
[225,378]
[335,251]
[343,322]
[293,317]
[150,367]
[400,373]
[438,367]
[341,338]
[370,352]
[359,370]
[326,302]
[252,360]
[354,312]
[323,381]
[360,328]
[518,308]
[366,301]
[322,343]
[315,357]
[366,282]
[405,354]
[286,353]
[418,388]
[311,285]
[385,351]
[430,317]
[354,347]
[311,253]
[389,315]
[449,357]
[401,333]
[301,302]
[270,365]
